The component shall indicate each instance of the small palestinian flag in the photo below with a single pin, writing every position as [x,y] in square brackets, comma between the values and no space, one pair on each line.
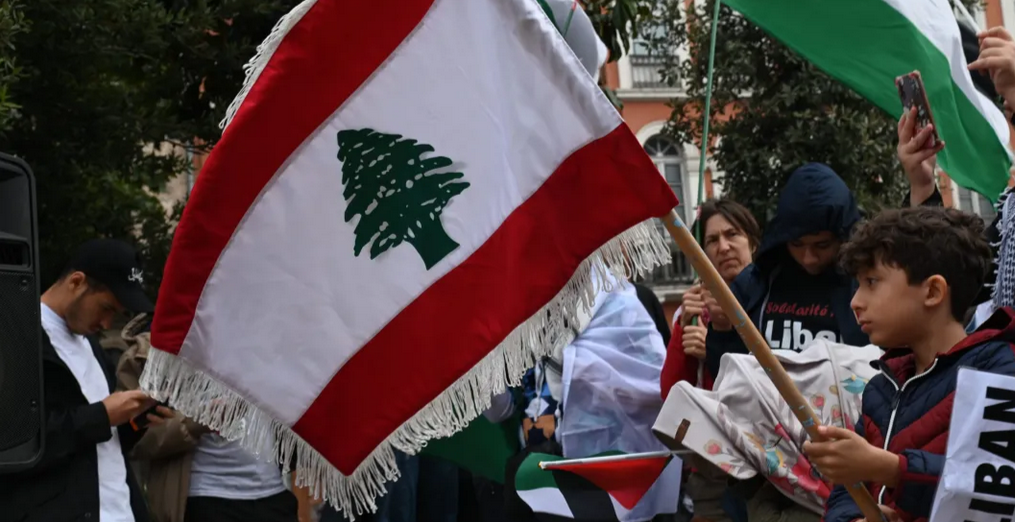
[622,490]
[407,206]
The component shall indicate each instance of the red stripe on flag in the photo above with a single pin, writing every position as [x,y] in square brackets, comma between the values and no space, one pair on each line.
[334,48]
[625,480]
[600,191]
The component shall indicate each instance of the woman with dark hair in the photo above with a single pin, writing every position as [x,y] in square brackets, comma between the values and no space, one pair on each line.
[730,236]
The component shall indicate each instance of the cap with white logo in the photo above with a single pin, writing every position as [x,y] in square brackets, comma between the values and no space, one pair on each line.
[118,266]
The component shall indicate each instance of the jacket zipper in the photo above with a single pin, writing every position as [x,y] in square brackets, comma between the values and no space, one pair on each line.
[895,407]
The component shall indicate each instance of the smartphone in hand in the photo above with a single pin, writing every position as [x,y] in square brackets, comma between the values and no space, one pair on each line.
[913,94]
[141,421]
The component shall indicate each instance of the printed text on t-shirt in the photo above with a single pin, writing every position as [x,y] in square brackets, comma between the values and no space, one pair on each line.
[814,310]
[793,326]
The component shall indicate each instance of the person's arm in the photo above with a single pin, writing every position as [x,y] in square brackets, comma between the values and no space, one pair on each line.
[305,500]
[934,200]
[840,507]
[997,59]
[917,469]
[687,350]
[127,435]
[919,161]
[678,365]
[70,430]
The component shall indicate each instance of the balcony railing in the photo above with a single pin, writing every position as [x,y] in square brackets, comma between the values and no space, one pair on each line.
[645,72]
[677,273]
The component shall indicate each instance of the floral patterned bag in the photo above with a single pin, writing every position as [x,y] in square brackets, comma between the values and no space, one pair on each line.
[745,428]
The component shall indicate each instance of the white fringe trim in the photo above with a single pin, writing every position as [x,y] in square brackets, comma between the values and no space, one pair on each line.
[213,404]
[256,65]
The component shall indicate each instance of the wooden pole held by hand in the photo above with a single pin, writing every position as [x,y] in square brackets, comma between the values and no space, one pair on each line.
[759,347]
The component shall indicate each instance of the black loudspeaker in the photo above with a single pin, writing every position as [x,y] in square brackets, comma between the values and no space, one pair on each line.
[21,407]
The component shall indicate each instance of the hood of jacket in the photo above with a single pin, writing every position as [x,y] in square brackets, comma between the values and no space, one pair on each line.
[815,199]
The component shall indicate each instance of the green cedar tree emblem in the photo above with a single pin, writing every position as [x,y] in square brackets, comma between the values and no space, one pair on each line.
[397,193]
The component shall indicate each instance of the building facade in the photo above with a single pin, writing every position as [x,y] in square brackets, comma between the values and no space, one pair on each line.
[638,84]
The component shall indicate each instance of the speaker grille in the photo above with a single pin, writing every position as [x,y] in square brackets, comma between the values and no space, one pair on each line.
[13,253]
[19,359]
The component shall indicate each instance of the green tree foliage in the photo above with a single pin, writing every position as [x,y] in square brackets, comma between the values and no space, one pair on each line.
[107,99]
[618,21]
[12,23]
[783,112]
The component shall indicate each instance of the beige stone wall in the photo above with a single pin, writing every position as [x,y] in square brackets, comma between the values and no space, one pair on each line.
[177,189]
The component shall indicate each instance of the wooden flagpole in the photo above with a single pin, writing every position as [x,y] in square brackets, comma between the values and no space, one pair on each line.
[759,347]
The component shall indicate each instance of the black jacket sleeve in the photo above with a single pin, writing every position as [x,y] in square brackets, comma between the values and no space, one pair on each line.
[935,199]
[127,435]
[71,430]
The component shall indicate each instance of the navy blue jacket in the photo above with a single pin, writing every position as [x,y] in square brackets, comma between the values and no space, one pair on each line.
[814,200]
[909,415]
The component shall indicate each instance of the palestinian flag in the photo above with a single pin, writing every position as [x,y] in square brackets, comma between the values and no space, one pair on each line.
[599,491]
[408,202]
[483,448]
[866,44]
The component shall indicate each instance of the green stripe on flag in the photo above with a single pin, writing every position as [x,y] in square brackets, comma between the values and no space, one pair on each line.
[866,44]
[531,476]
[483,448]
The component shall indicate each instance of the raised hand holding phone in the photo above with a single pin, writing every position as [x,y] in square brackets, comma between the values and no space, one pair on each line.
[914,97]
[918,140]
[918,161]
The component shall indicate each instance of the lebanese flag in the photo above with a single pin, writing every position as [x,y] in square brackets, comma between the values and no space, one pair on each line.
[406,206]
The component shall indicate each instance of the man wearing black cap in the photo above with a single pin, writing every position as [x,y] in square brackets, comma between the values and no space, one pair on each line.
[84,474]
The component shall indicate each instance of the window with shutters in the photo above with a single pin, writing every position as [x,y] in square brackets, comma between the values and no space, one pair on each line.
[665,153]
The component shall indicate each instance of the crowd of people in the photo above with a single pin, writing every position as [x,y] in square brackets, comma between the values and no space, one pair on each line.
[914,282]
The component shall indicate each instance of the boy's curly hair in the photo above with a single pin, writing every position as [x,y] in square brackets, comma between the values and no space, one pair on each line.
[925,241]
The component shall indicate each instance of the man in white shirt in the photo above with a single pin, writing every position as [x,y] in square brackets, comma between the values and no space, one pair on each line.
[83,474]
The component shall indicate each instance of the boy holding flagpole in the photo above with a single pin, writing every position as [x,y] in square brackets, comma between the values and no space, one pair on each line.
[919,270]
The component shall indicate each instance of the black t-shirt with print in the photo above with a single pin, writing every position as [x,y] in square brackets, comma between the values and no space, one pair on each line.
[799,309]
